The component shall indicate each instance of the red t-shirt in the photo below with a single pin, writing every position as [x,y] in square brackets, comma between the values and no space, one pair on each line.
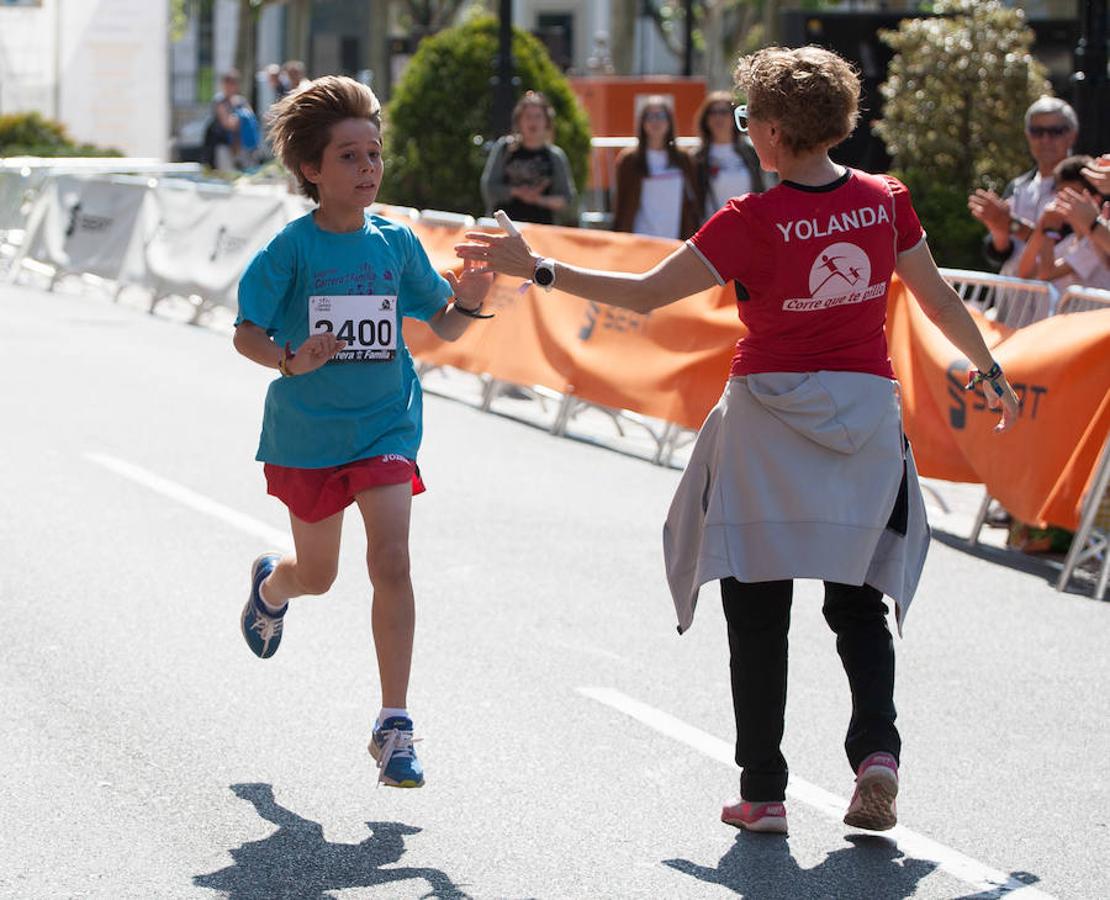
[812,266]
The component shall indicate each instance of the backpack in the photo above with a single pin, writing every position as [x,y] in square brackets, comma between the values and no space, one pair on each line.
[250,135]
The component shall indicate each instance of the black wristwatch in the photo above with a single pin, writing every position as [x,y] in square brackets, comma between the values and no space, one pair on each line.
[544,274]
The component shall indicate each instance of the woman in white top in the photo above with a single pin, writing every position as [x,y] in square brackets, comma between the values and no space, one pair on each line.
[654,184]
[725,165]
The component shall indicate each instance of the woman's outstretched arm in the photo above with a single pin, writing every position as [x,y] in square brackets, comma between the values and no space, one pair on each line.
[679,275]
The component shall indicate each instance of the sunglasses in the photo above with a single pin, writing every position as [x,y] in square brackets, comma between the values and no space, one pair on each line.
[655,115]
[740,114]
[1047,130]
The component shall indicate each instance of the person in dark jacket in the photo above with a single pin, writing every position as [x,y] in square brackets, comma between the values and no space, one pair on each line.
[654,191]
[526,174]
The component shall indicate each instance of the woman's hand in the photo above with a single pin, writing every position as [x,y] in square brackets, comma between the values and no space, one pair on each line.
[507,253]
[532,194]
[1007,401]
[314,352]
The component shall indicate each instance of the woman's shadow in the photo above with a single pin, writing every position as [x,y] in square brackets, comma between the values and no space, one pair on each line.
[296,860]
[761,865]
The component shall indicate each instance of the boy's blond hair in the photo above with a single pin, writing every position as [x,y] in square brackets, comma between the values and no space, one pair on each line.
[301,122]
[812,93]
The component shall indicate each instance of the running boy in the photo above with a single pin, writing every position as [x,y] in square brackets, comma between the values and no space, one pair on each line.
[322,303]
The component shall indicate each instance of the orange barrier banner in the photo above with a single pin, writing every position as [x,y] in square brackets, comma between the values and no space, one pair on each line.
[672,364]
[1059,368]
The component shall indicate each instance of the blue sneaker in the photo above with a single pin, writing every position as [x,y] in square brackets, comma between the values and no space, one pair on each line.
[261,629]
[391,745]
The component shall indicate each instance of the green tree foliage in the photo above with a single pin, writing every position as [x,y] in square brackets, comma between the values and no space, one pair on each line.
[32,134]
[953,115]
[437,126]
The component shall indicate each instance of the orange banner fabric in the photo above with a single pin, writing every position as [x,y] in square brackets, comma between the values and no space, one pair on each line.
[672,364]
[1060,370]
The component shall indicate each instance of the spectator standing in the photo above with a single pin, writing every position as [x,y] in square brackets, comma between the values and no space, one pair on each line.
[655,191]
[526,174]
[232,138]
[1051,127]
[293,74]
[726,164]
[275,82]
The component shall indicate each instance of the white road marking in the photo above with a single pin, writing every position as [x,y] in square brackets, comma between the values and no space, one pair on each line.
[978,875]
[588,648]
[187,497]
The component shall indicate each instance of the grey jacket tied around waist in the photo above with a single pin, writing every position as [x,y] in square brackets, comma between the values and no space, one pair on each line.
[799,475]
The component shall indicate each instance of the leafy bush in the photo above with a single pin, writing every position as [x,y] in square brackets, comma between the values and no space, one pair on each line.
[956,94]
[953,114]
[438,124]
[954,236]
[32,134]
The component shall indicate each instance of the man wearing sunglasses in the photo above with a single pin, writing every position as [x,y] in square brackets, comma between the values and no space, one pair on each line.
[1050,130]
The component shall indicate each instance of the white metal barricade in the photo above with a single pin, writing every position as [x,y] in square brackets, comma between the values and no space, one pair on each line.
[89,165]
[1092,540]
[442,217]
[1012,301]
[1016,302]
[1081,299]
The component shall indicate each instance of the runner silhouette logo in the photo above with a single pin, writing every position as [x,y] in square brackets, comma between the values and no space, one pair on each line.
[839,269]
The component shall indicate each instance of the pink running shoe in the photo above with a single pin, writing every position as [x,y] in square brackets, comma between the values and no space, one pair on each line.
[872,805]
[769,817]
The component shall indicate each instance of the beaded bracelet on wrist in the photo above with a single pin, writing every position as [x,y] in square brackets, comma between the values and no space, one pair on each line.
[283,361]
[993,377]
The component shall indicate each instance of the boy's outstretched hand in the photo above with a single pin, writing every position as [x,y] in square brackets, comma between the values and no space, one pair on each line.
[471,288]
[314,352]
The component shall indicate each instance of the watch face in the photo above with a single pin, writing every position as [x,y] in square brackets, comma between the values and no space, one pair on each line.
[543,277]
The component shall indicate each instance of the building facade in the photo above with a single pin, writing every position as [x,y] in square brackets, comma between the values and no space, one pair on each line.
[92,65]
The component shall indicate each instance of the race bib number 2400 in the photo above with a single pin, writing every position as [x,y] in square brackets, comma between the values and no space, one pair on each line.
[368,323]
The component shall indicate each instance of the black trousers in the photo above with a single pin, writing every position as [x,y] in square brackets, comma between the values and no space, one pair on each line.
[758,615]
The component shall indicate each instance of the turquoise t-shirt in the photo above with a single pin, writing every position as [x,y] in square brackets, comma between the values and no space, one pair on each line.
[358,284]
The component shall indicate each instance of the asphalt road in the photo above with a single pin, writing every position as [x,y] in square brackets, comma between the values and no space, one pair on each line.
[575,745]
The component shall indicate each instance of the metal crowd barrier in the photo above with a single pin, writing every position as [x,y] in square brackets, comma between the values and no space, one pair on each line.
[1017,302]
[1092,539]
[1011,301]
[1081,299]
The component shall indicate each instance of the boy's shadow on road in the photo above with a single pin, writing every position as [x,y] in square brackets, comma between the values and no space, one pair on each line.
[761,865]
[296,860]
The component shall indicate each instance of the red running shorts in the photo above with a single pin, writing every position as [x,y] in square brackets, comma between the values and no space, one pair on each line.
[314,494]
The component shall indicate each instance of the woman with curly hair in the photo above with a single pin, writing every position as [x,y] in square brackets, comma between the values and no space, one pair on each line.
[802,469]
